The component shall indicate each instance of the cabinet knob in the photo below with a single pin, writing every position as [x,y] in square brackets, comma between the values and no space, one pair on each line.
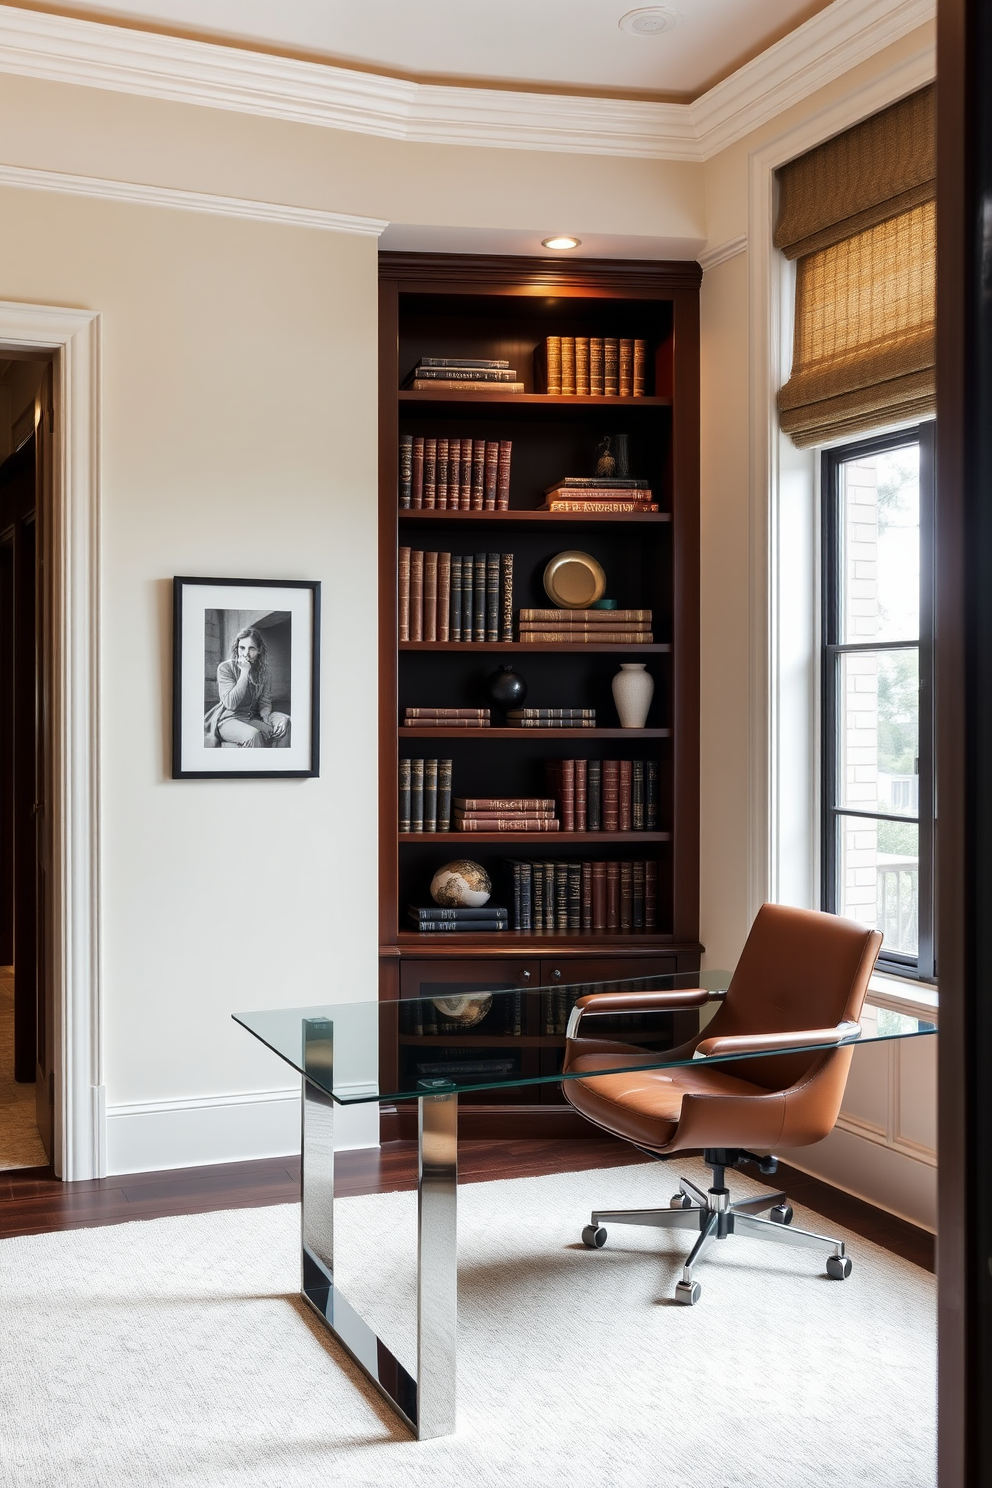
[556,975]
[525,976]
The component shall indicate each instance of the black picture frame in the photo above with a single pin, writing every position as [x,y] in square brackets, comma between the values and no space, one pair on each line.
[276,717]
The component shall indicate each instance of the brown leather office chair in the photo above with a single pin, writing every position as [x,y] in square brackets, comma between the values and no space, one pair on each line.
[801,978]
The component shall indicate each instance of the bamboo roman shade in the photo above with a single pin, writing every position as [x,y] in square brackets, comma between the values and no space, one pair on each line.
[858,214]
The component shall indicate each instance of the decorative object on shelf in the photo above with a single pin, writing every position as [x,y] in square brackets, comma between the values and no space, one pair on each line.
[603,604]
[633,689]
[466,1011]
[613,457]
[245,678]
[461,883]
[572,580]
[505,687]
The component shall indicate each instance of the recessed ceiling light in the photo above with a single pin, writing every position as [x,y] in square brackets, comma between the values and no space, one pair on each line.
[650,20]
[560,242]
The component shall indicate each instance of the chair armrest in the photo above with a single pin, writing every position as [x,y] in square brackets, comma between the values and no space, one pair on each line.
[773,1043]
[659,1001]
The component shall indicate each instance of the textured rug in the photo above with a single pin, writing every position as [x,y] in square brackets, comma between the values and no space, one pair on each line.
[176,1352]
[20,1144]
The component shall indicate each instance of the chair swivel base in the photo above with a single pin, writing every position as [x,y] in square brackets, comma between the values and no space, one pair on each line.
[714,1217]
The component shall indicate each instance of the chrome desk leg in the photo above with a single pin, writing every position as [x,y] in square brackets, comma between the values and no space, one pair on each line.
[437,1262]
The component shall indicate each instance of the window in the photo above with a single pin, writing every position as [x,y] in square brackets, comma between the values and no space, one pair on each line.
[877,664]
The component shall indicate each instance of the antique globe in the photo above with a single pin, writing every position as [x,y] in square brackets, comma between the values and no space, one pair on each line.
[461,883]
[465,1010]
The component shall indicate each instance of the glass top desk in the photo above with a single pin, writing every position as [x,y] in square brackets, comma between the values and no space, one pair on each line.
[335,1048]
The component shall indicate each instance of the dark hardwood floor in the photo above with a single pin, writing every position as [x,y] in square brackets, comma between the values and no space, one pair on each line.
[33,1201]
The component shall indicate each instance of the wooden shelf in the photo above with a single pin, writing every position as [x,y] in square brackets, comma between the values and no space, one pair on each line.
[406,732]
[539,401]
[541,942]
[538,839]
[523,515]
[620,648]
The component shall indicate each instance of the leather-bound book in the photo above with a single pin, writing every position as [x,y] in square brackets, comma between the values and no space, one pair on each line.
[566,785]
[651,796]
[489,822]
[613,896]
[637,796]
[586,895]
[626,893]
[430,596]
[468,595]
[503,475]
[479,598]
[526,899]
[581,798]
[403,800]
[406,470]
[561,896]
[478,474]
[574,907]
[403,594]
[651,894]
[637,914]
[568,365]
[455,623]
[611,795]
[598,895]
[611,352]
[493,598]
[518,910]
[490,475]
[430,474]
[465,499]
[640,369]
[430,795]
[624,804]
[625,373]
[416,795]
[594,795]
[582,366]
[444,795]
[417,473]
[552,367]
[416,594]
[506,597]
[444,596]
[537,897]
[454,474]
[596,366]
[441,476]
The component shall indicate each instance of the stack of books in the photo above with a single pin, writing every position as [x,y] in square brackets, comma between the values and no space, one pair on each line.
[454,474]
[463,375]
[432,919]
[581,627]
[446,717]
[424,795]
[575,895]
[504,814]
[597,366]
[551,718]
[609,495]
[605,795]
[450,597]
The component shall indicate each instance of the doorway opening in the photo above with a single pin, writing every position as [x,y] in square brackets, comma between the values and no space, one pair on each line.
[27,1082]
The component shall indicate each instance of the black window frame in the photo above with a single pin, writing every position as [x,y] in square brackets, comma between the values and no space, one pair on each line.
[924,965]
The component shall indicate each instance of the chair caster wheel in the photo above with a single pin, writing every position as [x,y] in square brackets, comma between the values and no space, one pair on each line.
[594,1236]
[688,1293]
[680,1201]
[781,1214]
[839,1267]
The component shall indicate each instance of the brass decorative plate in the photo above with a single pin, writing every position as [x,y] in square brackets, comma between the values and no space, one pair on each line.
[572,580]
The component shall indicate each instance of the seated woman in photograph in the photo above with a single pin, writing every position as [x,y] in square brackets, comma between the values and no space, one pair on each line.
[244,715]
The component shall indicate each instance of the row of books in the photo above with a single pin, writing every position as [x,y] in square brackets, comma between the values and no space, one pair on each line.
[613,495]
[446,717]
[600,366]
[605,795]
[583,626]
[505,814]
[439,474]
[544,718]
[424,795]
[463,374]
[445,920]
[582,895]
[447,597]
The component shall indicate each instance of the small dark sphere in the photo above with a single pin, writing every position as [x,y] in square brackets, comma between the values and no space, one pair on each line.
[506,688]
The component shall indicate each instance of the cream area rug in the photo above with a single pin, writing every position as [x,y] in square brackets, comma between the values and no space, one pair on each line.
[175,1353]
[20,1144]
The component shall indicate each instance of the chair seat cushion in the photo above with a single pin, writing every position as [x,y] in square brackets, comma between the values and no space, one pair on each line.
[643,1105]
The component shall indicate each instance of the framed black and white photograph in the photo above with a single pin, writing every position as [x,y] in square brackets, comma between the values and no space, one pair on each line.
[245,678]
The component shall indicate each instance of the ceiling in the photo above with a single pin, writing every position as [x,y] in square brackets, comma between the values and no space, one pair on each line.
[557,45]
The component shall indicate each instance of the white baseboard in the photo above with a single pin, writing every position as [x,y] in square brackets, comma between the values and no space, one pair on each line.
[151,1135]
[881,1175]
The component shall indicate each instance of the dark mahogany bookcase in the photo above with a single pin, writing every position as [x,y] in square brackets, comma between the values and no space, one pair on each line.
[453,305]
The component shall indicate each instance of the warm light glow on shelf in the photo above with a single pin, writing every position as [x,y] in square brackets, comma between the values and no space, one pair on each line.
[560,242]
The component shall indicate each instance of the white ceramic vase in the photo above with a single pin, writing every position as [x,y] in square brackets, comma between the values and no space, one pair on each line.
[633,689]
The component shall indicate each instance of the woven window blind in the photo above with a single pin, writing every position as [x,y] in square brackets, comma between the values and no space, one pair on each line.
[864,344]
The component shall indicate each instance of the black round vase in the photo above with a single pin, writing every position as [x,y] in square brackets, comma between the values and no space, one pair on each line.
[506,688]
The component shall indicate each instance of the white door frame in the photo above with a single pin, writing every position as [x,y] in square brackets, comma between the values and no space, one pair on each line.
[73,552]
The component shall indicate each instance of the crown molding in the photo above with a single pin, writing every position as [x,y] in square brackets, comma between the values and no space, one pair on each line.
[190,201]
[711,258]
[93,54]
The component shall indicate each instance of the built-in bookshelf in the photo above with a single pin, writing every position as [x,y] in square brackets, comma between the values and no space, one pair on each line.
[610,892]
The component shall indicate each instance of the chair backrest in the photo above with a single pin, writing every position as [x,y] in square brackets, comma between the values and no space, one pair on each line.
[798,969]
